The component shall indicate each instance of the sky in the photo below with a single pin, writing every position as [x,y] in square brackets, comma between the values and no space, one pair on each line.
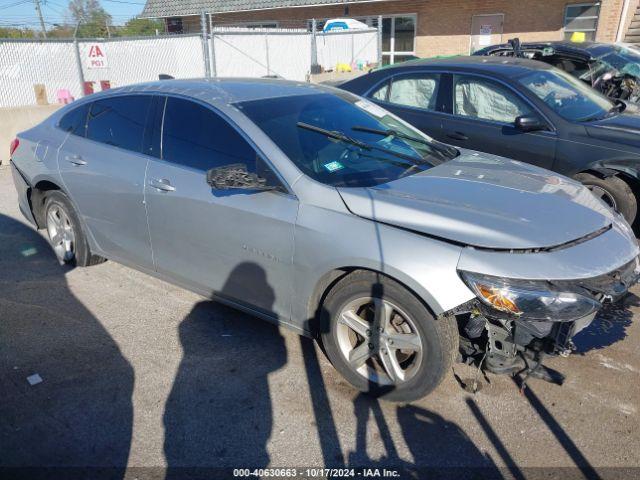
[22,13]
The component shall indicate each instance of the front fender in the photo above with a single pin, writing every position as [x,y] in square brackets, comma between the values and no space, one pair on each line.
[327,240]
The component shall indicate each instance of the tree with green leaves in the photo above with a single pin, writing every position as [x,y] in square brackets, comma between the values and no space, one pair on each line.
[12,32]
[92,19]
[141,27]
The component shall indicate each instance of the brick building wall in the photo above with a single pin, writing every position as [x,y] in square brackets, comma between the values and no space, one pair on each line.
[444,26]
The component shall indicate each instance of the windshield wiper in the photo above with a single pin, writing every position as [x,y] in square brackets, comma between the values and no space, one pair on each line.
[335,135]
[340,136]
[440,148]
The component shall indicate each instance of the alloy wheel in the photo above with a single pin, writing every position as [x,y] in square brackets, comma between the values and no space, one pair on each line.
[61,234]
[379,341]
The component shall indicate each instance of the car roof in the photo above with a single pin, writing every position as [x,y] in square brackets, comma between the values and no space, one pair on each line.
[222,90]
[502,66]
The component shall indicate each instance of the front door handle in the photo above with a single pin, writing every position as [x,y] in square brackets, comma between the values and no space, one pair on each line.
[162,184]
[76,160]
[457,136]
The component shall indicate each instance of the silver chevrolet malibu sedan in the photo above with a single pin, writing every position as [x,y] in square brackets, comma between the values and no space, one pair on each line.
[318,210]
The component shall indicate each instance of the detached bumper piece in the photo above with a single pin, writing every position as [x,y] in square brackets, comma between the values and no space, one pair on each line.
[507,344]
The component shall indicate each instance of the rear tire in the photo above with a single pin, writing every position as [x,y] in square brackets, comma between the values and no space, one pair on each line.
[614,191]
[402,358]
[64,229]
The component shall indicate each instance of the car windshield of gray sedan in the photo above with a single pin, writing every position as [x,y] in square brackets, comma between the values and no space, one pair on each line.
[344,141]
[568,97]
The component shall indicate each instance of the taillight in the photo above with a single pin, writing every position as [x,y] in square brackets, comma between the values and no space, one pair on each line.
[13,146]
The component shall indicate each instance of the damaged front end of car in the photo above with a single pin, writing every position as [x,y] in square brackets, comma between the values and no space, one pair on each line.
[514,324]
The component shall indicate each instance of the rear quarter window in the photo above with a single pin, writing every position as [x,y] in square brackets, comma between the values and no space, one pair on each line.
[119,121]
[75,121]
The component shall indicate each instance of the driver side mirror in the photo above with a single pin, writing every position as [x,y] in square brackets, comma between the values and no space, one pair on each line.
[530,123]
[236,176]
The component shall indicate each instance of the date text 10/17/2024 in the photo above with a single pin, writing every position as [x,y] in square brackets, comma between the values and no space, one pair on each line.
[316,473]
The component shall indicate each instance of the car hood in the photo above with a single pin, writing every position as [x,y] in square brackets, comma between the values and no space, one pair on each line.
[485,201]
[623,128]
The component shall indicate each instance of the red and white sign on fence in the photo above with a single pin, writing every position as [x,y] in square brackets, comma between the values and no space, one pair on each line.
[97,56]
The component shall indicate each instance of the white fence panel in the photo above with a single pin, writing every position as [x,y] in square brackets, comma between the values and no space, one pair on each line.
[239,54]
[290,55]
[24,64]
[234,53]
[347,47]
[142,60]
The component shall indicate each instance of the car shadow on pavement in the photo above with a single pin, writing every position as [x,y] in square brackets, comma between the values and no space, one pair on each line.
[79,416]
[609,326]
[219,413]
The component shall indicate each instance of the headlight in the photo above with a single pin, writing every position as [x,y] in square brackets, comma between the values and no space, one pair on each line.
[530,300]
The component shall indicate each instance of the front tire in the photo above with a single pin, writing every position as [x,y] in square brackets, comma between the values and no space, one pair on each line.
[613,191]
[384,340]
[66,236]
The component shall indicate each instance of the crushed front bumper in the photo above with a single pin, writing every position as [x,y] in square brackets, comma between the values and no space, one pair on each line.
[509,344]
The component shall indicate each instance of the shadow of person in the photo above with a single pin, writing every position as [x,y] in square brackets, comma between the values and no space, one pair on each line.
[219,411]
[609,326]
[81,414]
[440,446]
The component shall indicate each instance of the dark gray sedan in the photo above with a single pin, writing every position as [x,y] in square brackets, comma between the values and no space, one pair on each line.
[520,109]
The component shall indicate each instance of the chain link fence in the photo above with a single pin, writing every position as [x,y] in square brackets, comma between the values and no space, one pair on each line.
[58,71]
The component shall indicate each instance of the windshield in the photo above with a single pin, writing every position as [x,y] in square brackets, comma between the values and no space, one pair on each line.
[341,140]
[568,97]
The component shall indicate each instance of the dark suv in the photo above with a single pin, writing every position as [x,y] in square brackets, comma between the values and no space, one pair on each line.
[521,109]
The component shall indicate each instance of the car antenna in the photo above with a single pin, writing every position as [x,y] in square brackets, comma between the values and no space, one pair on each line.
[164,76]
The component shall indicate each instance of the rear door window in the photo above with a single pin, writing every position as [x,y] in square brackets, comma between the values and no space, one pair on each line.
[75,121]
[197,137]
[119,121]
[418,91]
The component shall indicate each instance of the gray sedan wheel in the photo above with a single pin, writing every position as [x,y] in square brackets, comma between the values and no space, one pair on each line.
[65,232]
[379,340]
[61,232]
[383,339]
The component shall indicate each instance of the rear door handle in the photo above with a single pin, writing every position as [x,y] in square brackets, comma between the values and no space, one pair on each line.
[457,136]
[76,160]
[162,184]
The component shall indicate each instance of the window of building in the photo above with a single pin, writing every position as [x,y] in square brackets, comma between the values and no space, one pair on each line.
[398,38]
[119,121]
[581,17]
[174,25]
[197,137]
[398,35]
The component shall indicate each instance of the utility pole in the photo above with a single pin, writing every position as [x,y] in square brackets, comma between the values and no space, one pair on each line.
[39,12]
